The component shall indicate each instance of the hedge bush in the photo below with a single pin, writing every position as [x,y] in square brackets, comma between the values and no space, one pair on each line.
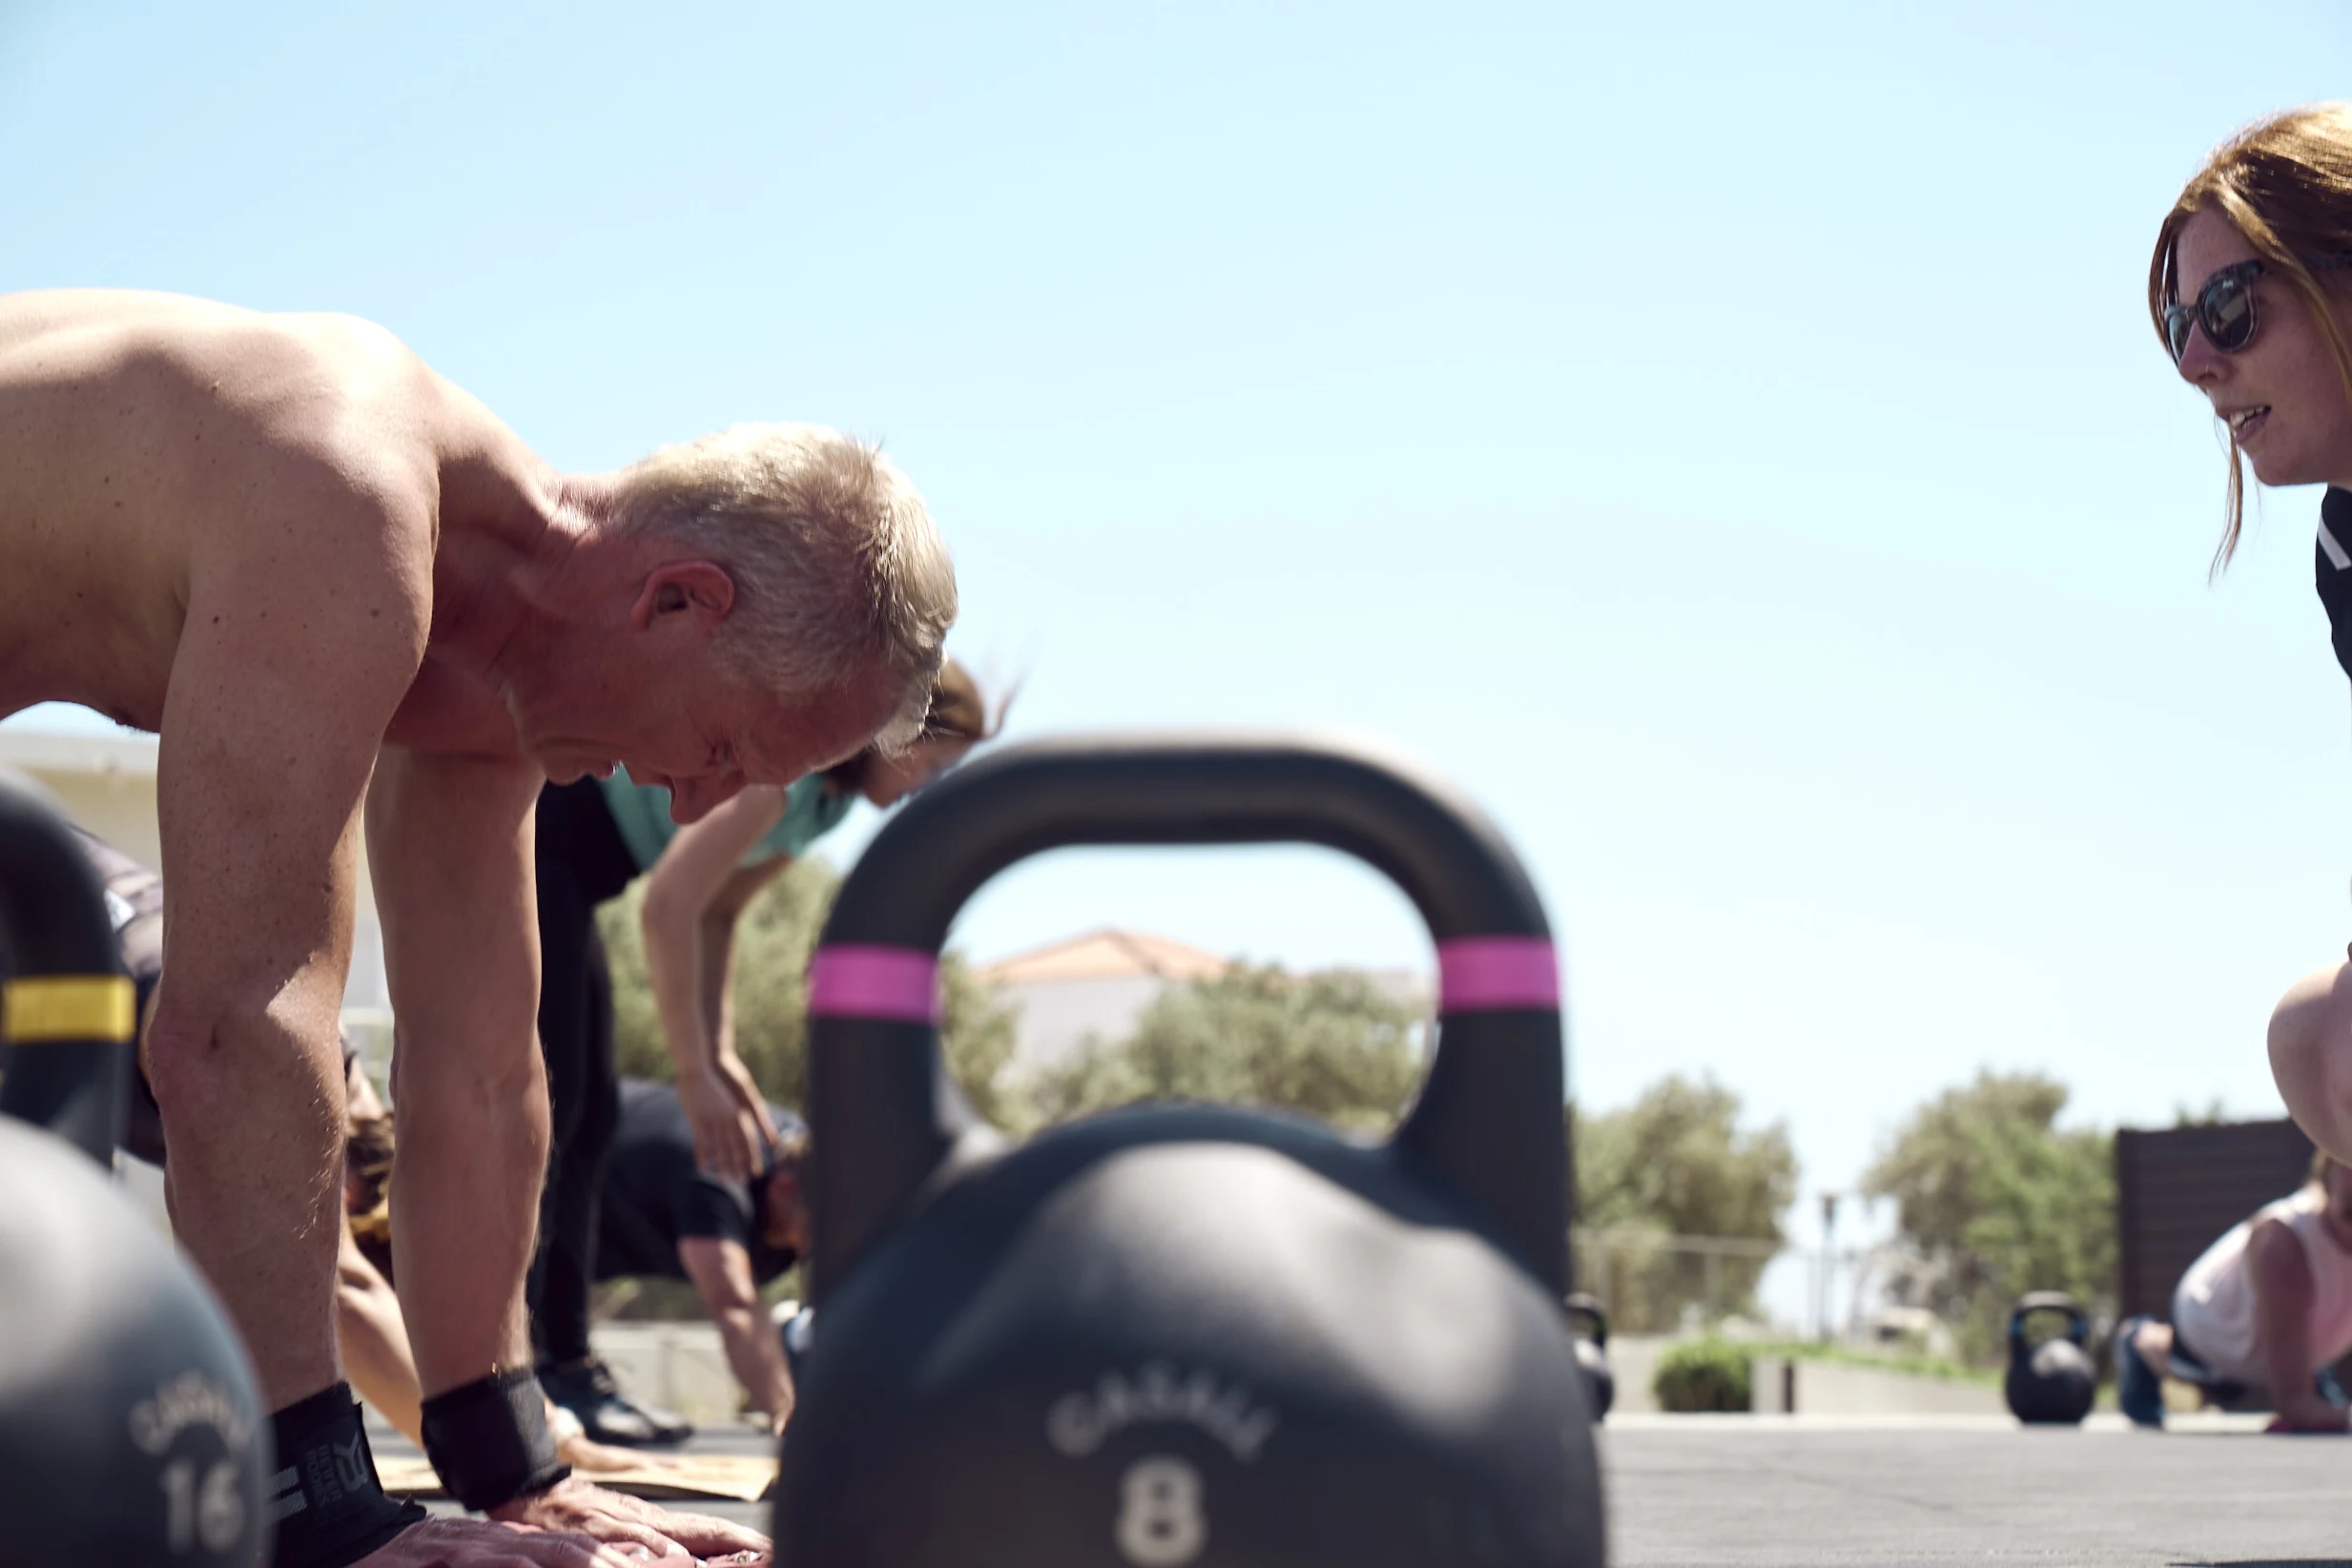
[1704,1374]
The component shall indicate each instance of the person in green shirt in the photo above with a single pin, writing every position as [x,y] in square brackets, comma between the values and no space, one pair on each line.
[594,838]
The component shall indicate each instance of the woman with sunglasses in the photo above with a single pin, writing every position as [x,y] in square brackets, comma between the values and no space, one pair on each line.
[2251,291]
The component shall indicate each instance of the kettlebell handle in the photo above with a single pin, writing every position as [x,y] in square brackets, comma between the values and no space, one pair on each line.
[1584,1304]
[66,1010]
[885,1116]
[2077,1321]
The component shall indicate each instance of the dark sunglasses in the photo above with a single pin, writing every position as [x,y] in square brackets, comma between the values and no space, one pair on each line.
[2224,306]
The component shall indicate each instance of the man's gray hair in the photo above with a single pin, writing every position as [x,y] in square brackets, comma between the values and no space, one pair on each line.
[839,576]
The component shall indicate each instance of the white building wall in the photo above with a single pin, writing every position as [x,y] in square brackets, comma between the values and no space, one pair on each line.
[107,785]
[1055,1017]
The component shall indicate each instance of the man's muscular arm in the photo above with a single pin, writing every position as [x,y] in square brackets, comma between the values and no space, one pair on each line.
[2282,1296]
[449,842]
[275,705]
[449,838]
[721,1271]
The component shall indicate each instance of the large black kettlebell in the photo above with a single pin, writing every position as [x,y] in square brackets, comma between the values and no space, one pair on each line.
[1176,1334]
[1593,1352]
[2050,1382]
[131,1430]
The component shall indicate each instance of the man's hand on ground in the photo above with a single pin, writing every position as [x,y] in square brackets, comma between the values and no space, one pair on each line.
[472,1543]
[2308,1416]
[576,1506]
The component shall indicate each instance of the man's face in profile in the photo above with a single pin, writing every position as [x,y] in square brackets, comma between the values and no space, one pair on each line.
[786,1213]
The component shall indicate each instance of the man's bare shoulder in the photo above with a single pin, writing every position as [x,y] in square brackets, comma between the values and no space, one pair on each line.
[62,334]
[179,459]
[312,383]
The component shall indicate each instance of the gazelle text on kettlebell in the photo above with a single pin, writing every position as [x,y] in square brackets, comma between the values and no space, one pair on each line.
[1081,1422]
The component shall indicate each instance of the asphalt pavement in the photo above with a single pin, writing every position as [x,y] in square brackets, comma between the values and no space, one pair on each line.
[1781,1492]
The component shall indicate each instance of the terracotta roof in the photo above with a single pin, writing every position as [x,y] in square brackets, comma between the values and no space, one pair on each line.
[1104,955]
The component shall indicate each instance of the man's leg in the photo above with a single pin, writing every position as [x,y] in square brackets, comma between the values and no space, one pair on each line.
[579,863]
[568,1369]
[568,1215]
[567,930]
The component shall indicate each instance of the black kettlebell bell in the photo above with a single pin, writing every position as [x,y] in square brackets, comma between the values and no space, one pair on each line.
[131,1428]
[1179,1335]
[1593,1352]
[2050,1382]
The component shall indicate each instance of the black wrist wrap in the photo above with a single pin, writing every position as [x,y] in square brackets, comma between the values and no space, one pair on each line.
[489,1439]
[330,1509]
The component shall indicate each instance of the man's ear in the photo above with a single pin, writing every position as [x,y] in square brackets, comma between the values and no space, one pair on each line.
[699,589]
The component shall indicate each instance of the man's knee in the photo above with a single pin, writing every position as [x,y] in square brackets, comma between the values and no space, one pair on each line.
[196,1065]
[2311,1054]
[2154,1342]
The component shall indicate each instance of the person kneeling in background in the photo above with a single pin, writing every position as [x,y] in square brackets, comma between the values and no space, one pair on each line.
[662,1214]
[659,1215]
[2267,1309]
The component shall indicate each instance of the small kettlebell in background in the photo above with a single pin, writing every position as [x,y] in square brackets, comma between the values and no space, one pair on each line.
[2049,1382]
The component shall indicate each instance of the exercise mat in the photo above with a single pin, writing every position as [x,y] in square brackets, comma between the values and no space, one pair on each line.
[739,1477]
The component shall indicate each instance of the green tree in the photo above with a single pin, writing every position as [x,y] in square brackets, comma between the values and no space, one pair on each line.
[1676,1162]
[772,943]
[1331,1046]
[1997,1199]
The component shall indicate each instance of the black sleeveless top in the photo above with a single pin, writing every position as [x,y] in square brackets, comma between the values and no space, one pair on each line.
[2332,560]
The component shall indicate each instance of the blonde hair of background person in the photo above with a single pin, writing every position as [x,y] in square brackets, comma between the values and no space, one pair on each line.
[697,892]
[2271,212]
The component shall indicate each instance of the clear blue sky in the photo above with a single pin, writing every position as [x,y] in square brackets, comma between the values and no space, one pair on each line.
[1726,437]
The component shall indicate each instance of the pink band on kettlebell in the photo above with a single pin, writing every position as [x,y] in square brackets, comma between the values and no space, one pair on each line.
[864,980]
[1496,974]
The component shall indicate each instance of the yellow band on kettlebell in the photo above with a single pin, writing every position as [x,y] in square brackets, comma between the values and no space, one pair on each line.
[47,1007]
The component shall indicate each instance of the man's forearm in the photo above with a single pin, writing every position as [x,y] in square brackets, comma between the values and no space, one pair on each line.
[755,1352]
[674,964]
[473,1153]
[718,964]
[249,1110]
[2287,1358]
[374,1343]
[2283,1301]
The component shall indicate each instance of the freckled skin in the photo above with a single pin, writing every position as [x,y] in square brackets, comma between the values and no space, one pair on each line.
[196,506]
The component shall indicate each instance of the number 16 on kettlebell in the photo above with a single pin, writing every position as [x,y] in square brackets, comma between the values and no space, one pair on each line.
[1177,1334]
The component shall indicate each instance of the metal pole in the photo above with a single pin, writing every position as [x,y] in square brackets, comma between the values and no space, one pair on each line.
[1828,1256]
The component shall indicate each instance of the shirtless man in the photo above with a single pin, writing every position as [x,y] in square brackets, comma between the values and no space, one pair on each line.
[350,600]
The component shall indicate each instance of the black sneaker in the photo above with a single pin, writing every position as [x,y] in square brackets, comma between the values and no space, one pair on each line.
[585,1388]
